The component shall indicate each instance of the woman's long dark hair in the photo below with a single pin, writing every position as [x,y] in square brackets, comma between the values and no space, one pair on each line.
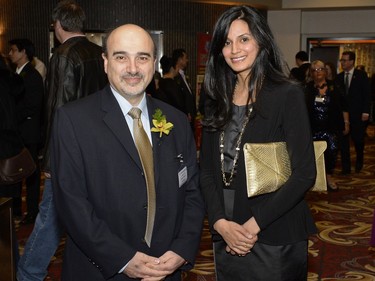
[220,80]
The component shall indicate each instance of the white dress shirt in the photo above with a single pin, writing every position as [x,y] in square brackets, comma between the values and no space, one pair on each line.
[125,108]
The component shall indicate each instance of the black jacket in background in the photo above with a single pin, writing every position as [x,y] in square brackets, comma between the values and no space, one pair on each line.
[11,86]
[76,69]
[29,105]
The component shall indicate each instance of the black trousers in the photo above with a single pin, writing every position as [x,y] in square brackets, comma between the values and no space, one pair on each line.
[263,263]
[357,134]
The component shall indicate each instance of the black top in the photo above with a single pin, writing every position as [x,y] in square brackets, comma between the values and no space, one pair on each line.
[232,133]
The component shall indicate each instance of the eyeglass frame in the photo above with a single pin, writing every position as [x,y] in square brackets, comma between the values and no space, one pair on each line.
[320,69]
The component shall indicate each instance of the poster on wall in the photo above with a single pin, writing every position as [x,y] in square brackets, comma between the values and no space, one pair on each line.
[204,40]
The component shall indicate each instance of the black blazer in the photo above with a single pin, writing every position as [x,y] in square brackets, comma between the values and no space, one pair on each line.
[283,216]
[100,189]
[11,86]
[30,104]
[359,97]
[189,98]
[173,93]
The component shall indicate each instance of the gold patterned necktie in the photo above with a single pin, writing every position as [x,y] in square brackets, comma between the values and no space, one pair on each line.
[346,82]
[144,148]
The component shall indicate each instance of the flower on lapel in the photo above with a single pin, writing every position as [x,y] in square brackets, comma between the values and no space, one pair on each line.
[160,123]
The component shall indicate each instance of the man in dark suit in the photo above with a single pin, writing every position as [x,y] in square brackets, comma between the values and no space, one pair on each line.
[29,111]
[102,184]
[180,61]
[355,84]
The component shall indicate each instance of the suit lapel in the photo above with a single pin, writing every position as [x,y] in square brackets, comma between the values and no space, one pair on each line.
[116,122]
[25,70]
[156,140]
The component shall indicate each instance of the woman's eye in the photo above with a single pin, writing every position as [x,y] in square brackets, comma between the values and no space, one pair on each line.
[245,39]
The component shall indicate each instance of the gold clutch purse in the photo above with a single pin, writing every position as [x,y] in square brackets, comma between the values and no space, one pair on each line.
[268,167]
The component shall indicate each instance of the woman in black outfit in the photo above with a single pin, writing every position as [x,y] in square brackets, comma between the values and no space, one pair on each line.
[250,99]
[327,115]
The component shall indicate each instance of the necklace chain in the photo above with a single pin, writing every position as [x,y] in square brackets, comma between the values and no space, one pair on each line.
[238,143]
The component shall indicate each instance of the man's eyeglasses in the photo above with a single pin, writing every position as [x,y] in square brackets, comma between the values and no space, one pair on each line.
[344,60]
[318,69]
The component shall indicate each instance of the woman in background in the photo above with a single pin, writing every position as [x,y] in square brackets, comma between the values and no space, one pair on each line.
[250,99]
[328,117]
[331,71]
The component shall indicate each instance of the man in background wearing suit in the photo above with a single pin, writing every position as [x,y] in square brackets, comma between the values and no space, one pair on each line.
[127,215]
[180,61]
[29,111]
[356,88]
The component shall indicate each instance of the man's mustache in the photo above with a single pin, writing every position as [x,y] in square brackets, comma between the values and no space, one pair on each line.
[132,75]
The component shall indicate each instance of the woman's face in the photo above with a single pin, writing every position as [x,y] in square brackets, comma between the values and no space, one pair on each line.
[329,70]
[240,49]
[318,72]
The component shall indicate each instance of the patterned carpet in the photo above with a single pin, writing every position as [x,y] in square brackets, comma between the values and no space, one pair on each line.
[340,251]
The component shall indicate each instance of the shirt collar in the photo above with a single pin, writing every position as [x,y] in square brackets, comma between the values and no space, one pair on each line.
[351,71]
[126,106]
[19,69]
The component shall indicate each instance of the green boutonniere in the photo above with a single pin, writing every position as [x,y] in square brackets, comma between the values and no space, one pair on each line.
[160,123]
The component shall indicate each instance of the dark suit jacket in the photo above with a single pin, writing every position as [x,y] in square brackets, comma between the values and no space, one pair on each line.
[359,97]
[173,93]
[283,216]
[189,97]
[100,189]
[29,105]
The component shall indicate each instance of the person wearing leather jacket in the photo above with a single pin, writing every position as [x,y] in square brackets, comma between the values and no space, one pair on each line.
[76,69]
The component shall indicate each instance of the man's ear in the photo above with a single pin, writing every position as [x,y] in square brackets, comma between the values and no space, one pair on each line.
[105,62]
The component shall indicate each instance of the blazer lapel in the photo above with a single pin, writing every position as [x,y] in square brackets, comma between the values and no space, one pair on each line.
[25,70]
[116,122]
[156,140]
